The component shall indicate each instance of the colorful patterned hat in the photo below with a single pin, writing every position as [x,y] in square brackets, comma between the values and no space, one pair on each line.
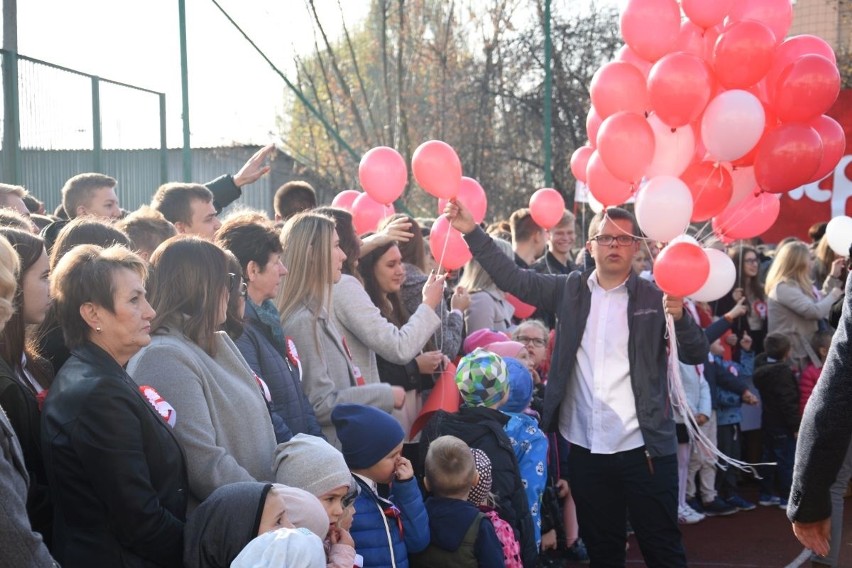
[482,378]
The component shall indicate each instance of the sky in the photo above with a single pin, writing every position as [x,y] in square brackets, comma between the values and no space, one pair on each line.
[234,95]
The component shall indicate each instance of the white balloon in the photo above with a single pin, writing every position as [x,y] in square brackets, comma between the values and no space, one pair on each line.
[839,235]
[721,279]
[663,208]
[673,150]
[732,124]
[684,238]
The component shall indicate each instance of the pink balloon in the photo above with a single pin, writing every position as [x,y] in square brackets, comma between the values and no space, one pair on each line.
[627,55]
[691,39]
[777,14]
[833,144]
[743,54]
[732,124]
[593,124]
[674,149]
[605,187]
[745,185]
[580,161]
[711,186]
[750,218]
[522,309]
[806,89]
[345,199]
[681,269]
[706,14]
[626,145]
[472,196]
[455,253]
[383,174]
[437,169]
[679,88]
[790,50]
[547,207]
[663,208]
[367,213]
[788,157]
[618,86]
[650,27]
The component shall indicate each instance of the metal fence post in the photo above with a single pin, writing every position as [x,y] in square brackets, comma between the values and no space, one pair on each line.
[11,120]
[97,137]
[164,148]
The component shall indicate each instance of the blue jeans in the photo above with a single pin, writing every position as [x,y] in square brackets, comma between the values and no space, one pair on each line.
[608,487]
[779,446]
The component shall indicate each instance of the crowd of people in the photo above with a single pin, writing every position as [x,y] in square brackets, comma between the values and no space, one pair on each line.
[185,390]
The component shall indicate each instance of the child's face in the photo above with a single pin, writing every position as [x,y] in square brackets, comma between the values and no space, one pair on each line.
[385,469]
[274,514]
[716,348]
[332,502]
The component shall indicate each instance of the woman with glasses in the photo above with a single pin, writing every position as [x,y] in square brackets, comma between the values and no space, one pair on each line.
[489,308]
[218,405]
[270,353]
[747,285]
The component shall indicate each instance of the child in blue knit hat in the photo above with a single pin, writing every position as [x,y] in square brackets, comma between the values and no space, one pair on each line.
[385,531]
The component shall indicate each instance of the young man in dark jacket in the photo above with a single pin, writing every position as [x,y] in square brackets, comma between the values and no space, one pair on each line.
[607,390]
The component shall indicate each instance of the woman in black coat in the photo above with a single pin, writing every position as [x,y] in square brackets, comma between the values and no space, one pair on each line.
[116,470]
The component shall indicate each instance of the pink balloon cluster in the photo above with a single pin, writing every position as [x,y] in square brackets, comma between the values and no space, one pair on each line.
[716,113]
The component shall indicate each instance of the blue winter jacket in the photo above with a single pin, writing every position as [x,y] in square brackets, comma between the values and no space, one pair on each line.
[734,374]
[291,412]
[377,535]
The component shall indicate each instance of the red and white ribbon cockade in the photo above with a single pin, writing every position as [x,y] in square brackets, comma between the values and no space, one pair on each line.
[163,408]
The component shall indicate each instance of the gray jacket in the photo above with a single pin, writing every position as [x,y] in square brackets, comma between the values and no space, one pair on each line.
[19,545]
[570,298]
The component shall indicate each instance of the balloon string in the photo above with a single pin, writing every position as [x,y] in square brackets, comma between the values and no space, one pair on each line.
[444,314]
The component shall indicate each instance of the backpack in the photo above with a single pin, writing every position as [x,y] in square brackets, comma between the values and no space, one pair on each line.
[506,536]
[461,558]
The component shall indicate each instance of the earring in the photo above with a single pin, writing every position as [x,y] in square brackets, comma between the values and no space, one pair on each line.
[98,329]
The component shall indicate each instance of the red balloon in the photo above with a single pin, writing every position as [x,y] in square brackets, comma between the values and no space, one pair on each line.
[681,268]
[777,14]
[626,145]
[345,199]
[437,169]
[679,87]
[711,186]
[833,144]
[580,161]
[806,89]
[383,174]
[447,245]
[743,54]
[522,309]
[650,27]
[605,187]
[472,196]
[627,55]
[547,207]
[618,86]
[790,50]
[691,39]
[749,218]
[593,124]
[367,213]
[706,14]
[788,157]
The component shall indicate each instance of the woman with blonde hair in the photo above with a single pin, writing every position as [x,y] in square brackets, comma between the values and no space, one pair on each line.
[489,308]
[312,254]
[794,305]
[21,546]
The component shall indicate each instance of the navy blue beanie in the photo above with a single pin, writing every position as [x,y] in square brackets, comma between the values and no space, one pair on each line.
[520,386]
[366,433]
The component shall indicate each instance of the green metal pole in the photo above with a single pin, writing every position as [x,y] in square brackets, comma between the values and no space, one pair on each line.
[164,148]
[184,83]
[548,88]
[12,119]
[97,137]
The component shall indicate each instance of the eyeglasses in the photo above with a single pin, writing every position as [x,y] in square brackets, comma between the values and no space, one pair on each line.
[236,285]
[607,240]
[750,261]
[537,341]
[351,495]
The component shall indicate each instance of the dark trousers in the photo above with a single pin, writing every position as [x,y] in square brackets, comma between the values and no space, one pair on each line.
[728,442]
[779,446]
[608,487]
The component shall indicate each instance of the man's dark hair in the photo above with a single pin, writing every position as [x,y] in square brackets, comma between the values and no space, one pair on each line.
[776,346]
[523,226]
[294,197]
[174,200]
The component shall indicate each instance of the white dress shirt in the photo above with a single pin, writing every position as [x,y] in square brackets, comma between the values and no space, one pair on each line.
[599,410]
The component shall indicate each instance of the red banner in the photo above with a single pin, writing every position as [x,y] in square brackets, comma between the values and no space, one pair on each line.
[818,202]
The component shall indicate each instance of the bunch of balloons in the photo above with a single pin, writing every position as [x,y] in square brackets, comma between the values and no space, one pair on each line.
[709,118]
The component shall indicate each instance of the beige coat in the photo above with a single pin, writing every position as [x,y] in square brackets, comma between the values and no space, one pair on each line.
[796,314]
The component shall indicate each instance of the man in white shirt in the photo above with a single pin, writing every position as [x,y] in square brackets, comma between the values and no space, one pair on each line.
[607,391]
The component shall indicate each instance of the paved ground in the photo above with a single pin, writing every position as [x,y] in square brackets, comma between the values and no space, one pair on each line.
[752,539]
